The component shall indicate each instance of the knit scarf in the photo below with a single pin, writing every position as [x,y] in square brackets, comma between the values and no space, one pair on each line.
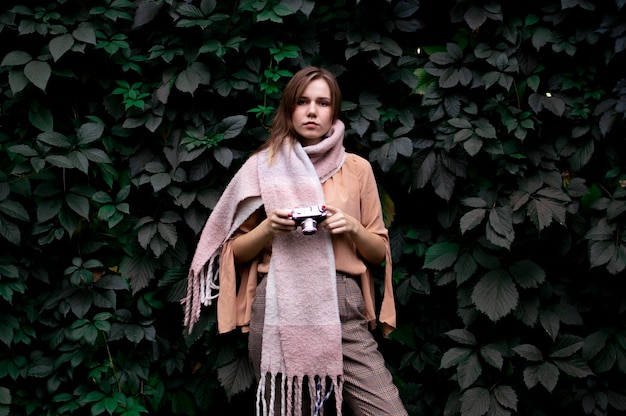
[302,331]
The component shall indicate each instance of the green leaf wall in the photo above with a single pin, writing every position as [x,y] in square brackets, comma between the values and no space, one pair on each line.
[496,131]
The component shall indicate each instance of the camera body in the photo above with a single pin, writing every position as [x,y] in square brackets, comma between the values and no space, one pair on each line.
[307,218]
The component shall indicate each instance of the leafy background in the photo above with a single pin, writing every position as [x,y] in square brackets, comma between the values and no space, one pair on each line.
[496,132]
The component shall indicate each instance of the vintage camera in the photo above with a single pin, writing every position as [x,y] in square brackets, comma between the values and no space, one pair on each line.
[308,218]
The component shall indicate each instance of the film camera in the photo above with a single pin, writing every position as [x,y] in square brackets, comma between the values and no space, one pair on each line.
[308,218]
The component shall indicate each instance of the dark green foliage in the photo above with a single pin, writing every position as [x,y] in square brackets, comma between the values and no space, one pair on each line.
[497,134]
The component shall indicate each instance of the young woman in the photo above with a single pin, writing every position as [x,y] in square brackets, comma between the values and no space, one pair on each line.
[306,298]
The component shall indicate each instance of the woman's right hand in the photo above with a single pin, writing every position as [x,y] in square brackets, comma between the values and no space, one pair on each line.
[279,222]
[247,246]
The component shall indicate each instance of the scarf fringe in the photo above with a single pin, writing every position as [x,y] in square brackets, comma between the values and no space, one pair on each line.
[289,394]
[202,289]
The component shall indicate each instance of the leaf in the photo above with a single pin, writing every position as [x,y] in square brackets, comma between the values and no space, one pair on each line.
[472,219]
[138,270]
[566,346]
[548,375]
[403,146]
[41,117]
[391,47]
[405,9]
[236,376]
[85,33]
[475,16]
[8,323]
[615,209]
[468,371]
[443,182]
[602,231]
[550,322]
[223,155]
[10,231]
[492,356]
[475,402]
[96,155]
[554,104]
[14,209]
[38,73]
[160,181]
[454,356]
[495,294]
[79,161]
[485,129]
[440,256]
[89,132]
[617,400]
[474,202]
[575,368]
[462,336]
[542,211]
[593,344]
[134,333]
[473,145]
[601,252]
[15,58]
[168,232]
[579,159]
[232,126]
[506,397]
[568,314]
[541,36]
[385,156]
[41,367]
[146,233]
[426,164]
[464,268]
[17,80]
[80,303]
[54,139]
[146,12]
[78,203]
[441,58]
[190,78]
[48,208]
[527,273]
[617,264]
[59,45]
[460,123]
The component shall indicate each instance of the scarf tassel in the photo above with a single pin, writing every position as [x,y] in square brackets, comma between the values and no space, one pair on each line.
[271,389]
[202,289]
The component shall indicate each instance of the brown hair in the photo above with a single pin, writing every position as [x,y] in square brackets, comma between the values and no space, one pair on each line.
[282,127]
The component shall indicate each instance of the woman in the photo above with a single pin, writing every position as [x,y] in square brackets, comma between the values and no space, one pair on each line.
[306,299]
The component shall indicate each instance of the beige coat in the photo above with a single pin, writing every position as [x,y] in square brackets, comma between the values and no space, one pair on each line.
[353,189]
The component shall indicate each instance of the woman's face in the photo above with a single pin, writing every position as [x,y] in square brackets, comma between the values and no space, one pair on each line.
[313,114]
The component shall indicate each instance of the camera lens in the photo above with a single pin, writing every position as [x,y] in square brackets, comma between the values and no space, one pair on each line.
[309,226]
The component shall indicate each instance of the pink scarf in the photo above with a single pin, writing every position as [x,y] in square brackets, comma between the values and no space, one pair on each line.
[302,331]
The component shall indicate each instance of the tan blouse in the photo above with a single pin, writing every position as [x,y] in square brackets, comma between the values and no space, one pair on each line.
[353,189]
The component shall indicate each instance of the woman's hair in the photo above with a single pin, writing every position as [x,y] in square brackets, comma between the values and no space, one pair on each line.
[282,126]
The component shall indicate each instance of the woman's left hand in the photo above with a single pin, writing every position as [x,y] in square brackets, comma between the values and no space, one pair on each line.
[369,245]
[338,222]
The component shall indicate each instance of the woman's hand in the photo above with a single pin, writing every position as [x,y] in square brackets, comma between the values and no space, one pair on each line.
[369,245]
[338,222]
[280,222]
[247,246]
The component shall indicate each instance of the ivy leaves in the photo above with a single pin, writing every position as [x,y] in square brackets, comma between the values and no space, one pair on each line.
[29,69]
[25,68]
[607,242]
